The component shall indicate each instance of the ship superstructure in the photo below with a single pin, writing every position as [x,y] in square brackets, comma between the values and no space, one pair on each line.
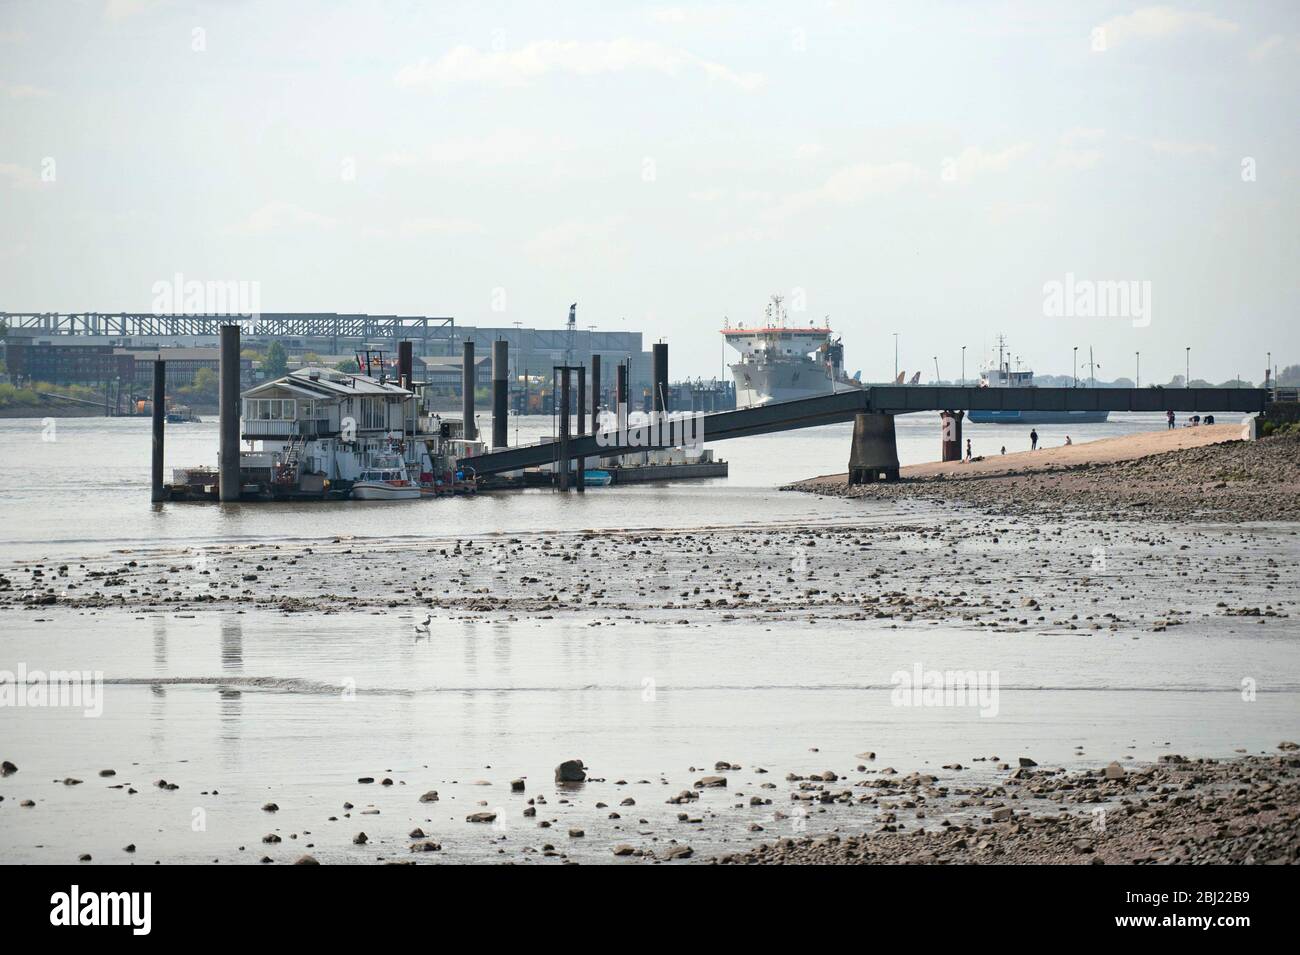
[780,362]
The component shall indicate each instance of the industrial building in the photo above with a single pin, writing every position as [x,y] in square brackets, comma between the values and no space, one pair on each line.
[533,351]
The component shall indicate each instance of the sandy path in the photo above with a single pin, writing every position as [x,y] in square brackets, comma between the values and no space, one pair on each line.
[1103,451]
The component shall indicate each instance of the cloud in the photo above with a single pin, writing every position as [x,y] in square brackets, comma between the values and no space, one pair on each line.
[1081,134]
[1178,148]
[280,216]
[809,150]
[1152,23]
[578,243]
[20,177]
[24,91]
[440,226]
[495,148]
[1274,45]
[1079,148]
[850,185]
[973,161]
[121,9]
[520,67]
[1078,159]
[694,16]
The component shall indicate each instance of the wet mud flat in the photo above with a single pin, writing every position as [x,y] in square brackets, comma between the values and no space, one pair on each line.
[1178,810]
[958,567]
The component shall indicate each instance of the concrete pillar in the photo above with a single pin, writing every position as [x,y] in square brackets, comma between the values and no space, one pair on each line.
[405,365]
[228,402]
[157,491]
[951,434]
[582,399]
[500,391]
[875,450]
[467,391]
[595,393]
[659,377]
[563,463]
[620,396]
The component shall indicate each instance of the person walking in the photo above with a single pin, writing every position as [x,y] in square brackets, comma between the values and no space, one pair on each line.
[1169,416]
[968,451]
[1033,440]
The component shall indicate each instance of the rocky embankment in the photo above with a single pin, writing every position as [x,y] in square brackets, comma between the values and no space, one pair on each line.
[1203,811]
[1231,481]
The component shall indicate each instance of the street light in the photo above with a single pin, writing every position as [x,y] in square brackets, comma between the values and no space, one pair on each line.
[963,365]
[1138,356]
[1187,369]
[1076,366]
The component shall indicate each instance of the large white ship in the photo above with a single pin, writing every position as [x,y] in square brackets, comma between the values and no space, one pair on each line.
[779,362]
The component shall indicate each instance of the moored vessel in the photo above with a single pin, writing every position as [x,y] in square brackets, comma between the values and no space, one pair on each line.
[1004,376]
[780,363]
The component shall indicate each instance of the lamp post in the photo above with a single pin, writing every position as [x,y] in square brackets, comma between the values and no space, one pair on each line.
[1187,369]
[1138,356]
[1076,366]
[963,365]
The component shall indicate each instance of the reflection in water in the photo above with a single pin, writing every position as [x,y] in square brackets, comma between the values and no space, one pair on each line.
[160,643]
[230,705]
[232,643]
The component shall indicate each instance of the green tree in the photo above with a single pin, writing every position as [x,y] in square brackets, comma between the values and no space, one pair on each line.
[348,367]
[276,363]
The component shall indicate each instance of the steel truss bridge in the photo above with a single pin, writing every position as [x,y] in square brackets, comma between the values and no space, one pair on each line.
[288,324]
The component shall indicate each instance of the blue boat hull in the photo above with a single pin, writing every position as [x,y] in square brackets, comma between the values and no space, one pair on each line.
[1037,417]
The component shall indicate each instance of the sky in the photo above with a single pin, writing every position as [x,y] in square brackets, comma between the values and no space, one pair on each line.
[943,172]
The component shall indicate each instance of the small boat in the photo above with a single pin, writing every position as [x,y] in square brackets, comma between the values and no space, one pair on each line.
[182,415]
[1004,376]
[385,484]
[594,478]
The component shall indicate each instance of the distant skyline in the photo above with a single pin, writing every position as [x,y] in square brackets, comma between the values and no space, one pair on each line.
[1119,176]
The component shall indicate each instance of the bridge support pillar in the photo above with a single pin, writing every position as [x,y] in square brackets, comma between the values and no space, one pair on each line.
[157,491]
[951,434]
[875,449]
[228,479]
[500,392]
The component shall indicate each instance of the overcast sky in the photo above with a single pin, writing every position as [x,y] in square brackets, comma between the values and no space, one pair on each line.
[920,168]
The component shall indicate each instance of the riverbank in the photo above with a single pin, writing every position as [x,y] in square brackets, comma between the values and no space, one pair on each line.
[1179,810]
[1205,473]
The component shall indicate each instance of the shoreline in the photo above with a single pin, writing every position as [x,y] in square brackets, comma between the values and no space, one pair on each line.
[1204,473]
[1177,810]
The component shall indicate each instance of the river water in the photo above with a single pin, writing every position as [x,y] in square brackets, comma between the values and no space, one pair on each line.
[239,709]
[70,484]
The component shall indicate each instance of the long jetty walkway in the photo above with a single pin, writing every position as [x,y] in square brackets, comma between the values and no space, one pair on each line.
[874,455]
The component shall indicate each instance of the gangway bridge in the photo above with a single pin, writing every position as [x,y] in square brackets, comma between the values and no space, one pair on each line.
[874,454]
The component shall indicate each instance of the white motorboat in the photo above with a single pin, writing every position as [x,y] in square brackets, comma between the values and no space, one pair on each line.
[385,482]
